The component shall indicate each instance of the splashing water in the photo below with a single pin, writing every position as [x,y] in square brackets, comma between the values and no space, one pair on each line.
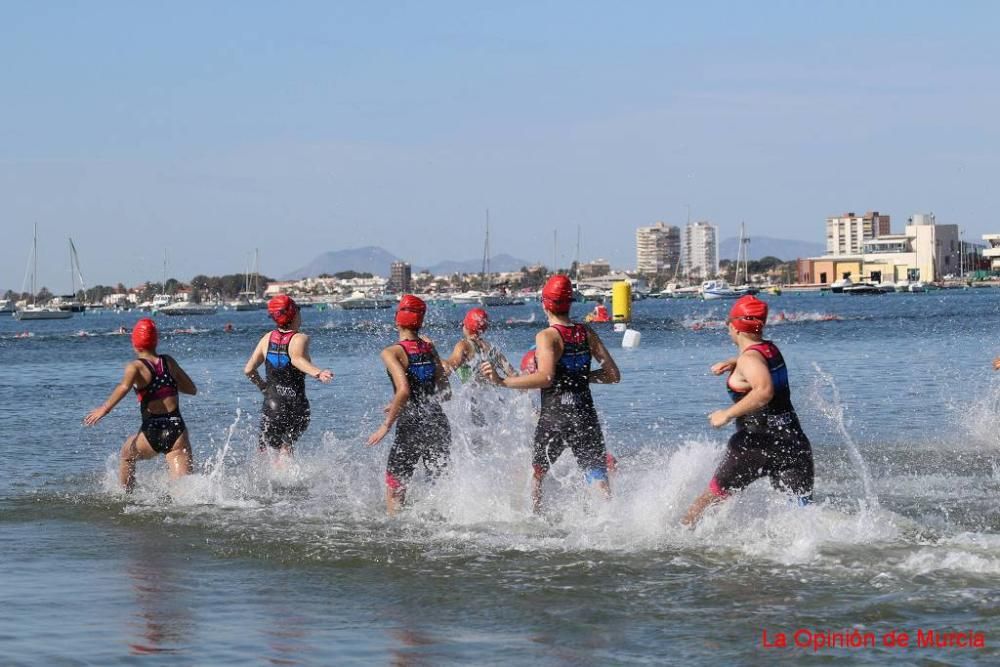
[833,410]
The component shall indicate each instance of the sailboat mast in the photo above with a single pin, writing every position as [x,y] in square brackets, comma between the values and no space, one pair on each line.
[34,259]
[256,270]
[577,261]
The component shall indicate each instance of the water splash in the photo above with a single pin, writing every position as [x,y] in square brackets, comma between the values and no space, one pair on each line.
[833,410]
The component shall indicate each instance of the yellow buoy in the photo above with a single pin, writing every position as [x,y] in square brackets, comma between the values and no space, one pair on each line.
[621,301]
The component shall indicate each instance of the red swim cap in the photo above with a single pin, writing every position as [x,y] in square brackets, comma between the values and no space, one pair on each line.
[476,321]
[144,336]
[749,314]
[282,310]
[557,295]
[410,313]
[528,362]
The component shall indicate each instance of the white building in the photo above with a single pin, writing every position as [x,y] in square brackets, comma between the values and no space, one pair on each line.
[992,251]
[701,250]
[657,248]
[847,234]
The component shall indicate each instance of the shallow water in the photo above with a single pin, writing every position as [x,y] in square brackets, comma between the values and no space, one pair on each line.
[243,563]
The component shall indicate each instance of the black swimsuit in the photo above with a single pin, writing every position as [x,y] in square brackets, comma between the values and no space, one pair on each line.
[769,441]
[568,417]
[422,429]
[286,414]
[161,429]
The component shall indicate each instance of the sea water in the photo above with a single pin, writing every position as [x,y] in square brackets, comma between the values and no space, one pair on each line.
[246,563]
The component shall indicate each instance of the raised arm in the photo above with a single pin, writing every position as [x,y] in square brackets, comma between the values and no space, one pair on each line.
[458,356]
[117,394]
[298,350]
[185,384]
[608,373]
[402,394]
[251,370]
[440,376]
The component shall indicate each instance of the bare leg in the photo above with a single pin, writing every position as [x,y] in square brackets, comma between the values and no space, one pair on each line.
[605,488]
[699,506]
[136,448]
[536,490]
[394,499]
[179,459]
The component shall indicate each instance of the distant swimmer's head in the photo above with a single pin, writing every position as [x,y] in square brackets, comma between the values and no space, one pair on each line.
[748,315]
[410,312]
[476,322]
[144,336]
[283,309]
[557,295]
[528,362]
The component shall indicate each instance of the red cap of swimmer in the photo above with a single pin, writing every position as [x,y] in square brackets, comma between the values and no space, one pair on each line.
[282,310]
[410,313]
[144,336]
[476,321]
[749,314]
[528,363]
[557,295]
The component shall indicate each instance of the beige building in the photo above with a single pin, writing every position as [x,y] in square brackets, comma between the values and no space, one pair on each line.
[992,251]
[657,248]
[701,250]
[925,251]
[846,234]
[598,267]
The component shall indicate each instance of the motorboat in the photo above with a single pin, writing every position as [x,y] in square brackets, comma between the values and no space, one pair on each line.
[246,301]
[839,286]
[917,287]
[6,306]
[188,308]
[862,288]
[717,289]
[361,301]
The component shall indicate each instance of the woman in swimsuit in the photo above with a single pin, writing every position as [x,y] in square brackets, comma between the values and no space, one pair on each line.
[158,380]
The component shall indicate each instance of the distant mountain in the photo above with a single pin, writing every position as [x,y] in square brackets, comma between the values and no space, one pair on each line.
[764,246]
[498,264]
[375,260]
[369,259]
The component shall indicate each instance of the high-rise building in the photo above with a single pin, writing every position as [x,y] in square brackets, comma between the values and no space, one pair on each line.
[399,277]
[847,234]
[701,250]
[657,248]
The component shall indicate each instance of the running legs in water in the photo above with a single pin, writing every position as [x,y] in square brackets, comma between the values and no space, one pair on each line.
[137,448]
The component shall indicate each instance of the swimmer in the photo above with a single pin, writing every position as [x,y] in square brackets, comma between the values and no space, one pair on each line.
[996,364]
[419,384]
[228,328]
[157,379]
[563,354]
[600,313]
[285,354]
[121,330]
[769,440]
[470,352]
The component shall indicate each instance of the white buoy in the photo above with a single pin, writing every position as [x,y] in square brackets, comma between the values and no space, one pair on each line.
[631,339]
[620,327]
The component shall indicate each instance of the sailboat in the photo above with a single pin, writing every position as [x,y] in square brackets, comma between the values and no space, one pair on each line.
[33,311]
[70,301]
[491,297]
[743,253]
[248,299]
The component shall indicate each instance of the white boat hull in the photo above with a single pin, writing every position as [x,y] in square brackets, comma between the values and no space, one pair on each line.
[42,314]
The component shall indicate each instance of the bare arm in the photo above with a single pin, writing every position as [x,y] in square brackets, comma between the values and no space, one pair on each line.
[996,364]
[185,384]
[724,366]
[546,349]
[398,374]
[753,368]
[117,394]
[254,362]
[608,373]
[298,351]
[440,376]
[458,356]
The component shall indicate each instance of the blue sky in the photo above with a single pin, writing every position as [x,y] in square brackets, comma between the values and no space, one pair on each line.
[209,129]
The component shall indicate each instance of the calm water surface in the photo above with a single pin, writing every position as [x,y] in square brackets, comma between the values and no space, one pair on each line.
[241,564]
